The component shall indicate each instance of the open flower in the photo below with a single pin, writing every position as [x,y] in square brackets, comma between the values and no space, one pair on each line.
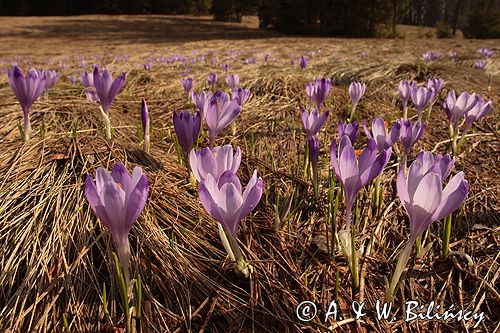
[384,137]
[355,172]
[477,112]
[219,112]
[313,122]
[214,161]
[118,198]
[456,108]
[421,191]
[187,127]
[240,95]
[225,200]
[318,91]
[27,90]
[107,88]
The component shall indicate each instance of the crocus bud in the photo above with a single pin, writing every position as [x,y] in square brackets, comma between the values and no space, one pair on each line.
[303,62]
[187,84]
[187,127]
[145,124]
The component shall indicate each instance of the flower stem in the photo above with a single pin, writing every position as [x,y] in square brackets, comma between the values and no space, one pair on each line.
[107,123]
[354,263]
[446,236]
[27,128]
[225,242]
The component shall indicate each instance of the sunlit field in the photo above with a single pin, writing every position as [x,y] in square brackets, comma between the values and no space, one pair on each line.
[296,243]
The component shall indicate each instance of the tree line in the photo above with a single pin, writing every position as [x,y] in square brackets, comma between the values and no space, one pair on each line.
[360,18]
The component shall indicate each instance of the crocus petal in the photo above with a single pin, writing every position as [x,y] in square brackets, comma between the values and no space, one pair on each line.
[453,195]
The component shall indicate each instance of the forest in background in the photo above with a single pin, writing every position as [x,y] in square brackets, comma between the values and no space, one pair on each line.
[354,18]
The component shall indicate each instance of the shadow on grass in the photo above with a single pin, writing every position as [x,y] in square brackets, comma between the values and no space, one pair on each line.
[146,29]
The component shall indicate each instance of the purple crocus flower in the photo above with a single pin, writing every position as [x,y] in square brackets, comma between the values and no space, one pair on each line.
[225,67]
[318,91]
[354,172]
[187,127]
[431,56]
[215,60]
[292,61]
[456,108]
[435,85]
[349,129]
[51,78]
[303,62]
[147,67]
[421,192]
[118,198]
[73,79]
[313,122]
[250,61]
[425,201]
[214,161]
[480,64]
[187,84]
[477,112]
[219,112]
[421,97]
[225,200]
[453,55]
[485,52]
[404,89]
[356,91]
[232,81]
[145,124]
[384,137]
[27,90]
[200,99]
[212,79]
[87,79]
[107,88]
[410,134]
[91,96]
[266,56]
[241,96]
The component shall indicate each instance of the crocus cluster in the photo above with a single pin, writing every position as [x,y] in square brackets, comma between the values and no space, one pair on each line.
[470,106]
[222,195]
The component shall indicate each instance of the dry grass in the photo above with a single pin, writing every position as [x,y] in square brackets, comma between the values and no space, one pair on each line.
[55,255]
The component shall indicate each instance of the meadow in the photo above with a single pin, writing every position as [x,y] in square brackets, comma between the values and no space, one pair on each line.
[55,254]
